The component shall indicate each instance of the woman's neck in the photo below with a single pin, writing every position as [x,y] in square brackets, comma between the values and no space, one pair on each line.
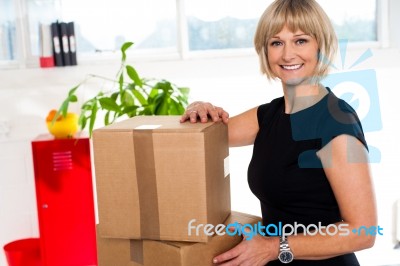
[299,97]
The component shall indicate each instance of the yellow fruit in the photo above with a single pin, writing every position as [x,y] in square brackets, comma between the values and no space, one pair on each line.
[63,127]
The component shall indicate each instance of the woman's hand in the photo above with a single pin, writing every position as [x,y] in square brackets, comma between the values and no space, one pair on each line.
[203,110]
[255,252]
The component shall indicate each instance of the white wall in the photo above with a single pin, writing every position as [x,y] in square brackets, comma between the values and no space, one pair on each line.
[394,22]
[26,96]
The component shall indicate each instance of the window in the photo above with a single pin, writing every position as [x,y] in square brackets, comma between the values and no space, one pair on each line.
[352,22]
[106,25]
[222,24]
[161,27]
[40,11]
[7,30]
[102,26]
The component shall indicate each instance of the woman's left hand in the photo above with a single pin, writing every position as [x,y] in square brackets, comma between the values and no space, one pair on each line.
[255,252]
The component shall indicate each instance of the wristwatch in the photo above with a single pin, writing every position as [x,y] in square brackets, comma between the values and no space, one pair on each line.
[285,254]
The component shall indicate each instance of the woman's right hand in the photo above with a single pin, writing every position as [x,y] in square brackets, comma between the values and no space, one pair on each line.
[204,110]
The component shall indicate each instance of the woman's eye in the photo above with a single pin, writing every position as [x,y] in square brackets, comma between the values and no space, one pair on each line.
[276,43]
[301,41]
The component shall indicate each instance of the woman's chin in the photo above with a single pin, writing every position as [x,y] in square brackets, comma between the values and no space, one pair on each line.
[293,81]
[299,81]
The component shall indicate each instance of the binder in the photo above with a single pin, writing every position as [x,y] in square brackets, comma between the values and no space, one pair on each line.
[58,61]
[66,57]
[46,57]
[72,42]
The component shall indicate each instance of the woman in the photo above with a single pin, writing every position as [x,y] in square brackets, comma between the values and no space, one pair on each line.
[309,163]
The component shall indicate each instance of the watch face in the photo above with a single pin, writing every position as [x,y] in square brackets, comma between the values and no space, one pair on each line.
[285,256]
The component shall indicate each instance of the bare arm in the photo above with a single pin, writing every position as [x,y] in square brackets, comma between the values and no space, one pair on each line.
[346,166]
[242,129]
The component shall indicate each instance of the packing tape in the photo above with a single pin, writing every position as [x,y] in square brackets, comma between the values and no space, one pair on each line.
[147,184]
[137,251]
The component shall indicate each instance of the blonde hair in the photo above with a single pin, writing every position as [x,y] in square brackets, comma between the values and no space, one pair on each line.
[304,15]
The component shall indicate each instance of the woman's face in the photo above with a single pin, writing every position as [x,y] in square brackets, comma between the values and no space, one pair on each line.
[292,56]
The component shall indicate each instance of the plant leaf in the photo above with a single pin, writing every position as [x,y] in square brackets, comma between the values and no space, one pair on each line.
[82,121]
[114,96]
[173,107]
[134,76]
[73,98]
[108,103]
[176,108]
[107,118]
[153,93]
[142,100]
[92,118]
[127,98]
[121,82]
[185,91]
[125,47]
[163,108]
[146,111]
[63,109]
[130,111]
[72,91]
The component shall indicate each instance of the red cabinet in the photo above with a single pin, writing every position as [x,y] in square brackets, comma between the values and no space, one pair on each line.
[65,204]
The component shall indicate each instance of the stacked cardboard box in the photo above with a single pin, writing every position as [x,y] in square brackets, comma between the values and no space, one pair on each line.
[125,252]
[153,176]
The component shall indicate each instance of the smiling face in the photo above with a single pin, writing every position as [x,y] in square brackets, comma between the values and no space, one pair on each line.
[292,56]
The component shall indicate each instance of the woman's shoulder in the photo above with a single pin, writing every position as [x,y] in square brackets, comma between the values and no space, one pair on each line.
[271,106]
[339,118]
[268,109]
[339,111]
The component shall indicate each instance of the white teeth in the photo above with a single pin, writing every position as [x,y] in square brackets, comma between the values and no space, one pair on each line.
[292,67]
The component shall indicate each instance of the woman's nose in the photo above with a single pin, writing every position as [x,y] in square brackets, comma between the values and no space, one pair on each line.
[288,52]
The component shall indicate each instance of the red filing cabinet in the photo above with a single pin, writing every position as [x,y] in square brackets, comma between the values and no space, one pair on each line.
[65,202]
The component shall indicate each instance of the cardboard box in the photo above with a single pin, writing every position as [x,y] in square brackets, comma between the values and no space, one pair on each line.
[155,174]
[124,252]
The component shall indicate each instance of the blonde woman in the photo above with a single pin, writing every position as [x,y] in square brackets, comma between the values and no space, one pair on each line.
[310,165]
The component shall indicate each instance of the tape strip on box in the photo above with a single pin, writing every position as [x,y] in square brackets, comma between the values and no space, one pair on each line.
[147,185]
[136,251]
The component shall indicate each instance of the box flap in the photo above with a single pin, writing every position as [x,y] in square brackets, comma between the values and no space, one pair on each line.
[157,124]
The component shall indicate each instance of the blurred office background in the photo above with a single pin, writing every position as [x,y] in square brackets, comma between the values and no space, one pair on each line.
[204,45]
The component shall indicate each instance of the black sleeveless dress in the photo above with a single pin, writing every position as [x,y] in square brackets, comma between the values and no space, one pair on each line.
[286,175]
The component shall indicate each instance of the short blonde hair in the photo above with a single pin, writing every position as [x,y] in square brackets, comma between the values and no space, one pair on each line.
[304,15]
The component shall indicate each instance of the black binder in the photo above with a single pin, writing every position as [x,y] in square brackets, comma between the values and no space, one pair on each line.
[64,44]
[72,42]
[58,60]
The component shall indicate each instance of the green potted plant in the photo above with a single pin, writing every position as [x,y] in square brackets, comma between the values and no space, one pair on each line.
[131,96]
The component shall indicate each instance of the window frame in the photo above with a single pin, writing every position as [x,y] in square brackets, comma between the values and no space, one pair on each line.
[25,59]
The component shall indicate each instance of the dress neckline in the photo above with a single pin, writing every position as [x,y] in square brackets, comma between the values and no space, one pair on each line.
[315,105]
